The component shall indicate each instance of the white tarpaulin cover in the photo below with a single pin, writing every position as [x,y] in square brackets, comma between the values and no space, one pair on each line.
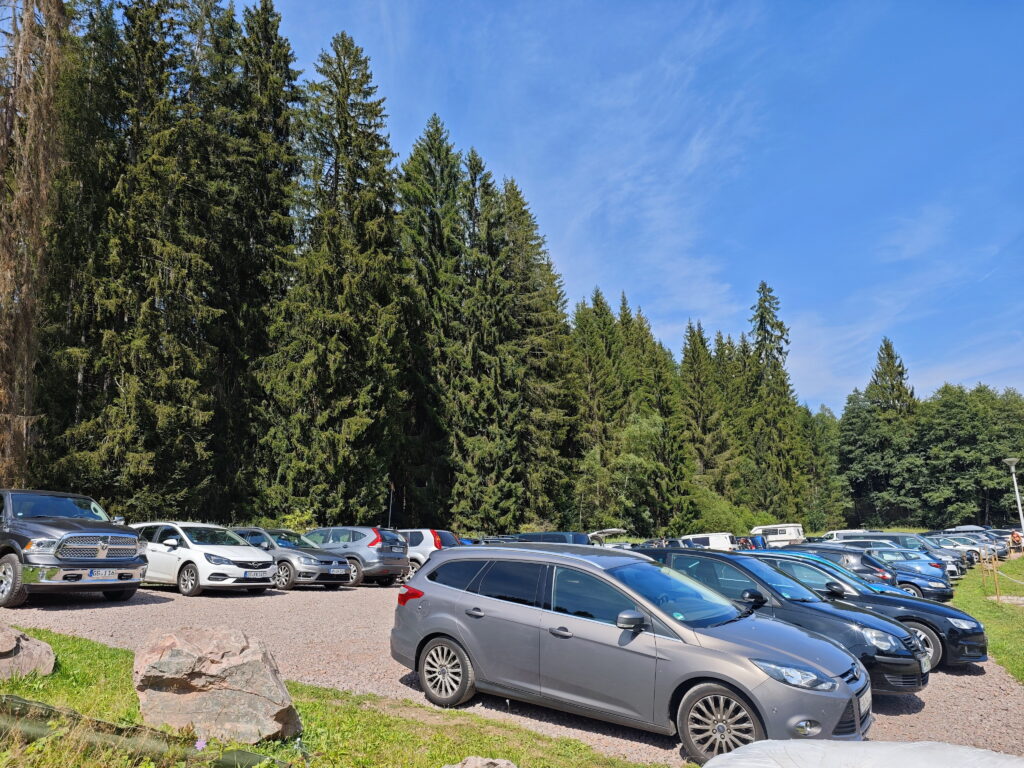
[861,754]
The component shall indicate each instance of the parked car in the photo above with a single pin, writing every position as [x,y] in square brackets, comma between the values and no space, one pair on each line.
[375,555]
[864,565]
[908,541]
[953,568]
[877,587]
[916,574]
[63,542]
[991,548]
[969,548]
[611,635]
[892,655]
[195,556]
[720,541]
[555,537]
[780,535]
[949,635]
[838,534]
[297,560]
[423,541]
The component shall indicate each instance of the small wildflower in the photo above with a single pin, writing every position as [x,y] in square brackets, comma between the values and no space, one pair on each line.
[200,745]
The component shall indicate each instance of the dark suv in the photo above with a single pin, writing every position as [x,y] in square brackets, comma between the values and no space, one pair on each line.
[63,542]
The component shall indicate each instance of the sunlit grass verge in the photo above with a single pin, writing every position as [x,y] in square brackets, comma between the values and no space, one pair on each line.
[1004,623]
[341,729]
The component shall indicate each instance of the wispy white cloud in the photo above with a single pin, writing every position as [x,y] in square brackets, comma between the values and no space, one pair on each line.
[919,235]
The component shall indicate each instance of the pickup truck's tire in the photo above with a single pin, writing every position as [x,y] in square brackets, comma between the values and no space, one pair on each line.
[12,590]
[120,595]
[188,580]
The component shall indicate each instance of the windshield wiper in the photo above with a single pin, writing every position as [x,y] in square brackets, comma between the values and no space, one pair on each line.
[741,615]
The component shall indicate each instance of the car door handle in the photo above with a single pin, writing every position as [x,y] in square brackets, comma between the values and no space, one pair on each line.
[476,613]
[560,632]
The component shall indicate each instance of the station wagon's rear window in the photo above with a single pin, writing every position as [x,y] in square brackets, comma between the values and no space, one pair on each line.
[457,574]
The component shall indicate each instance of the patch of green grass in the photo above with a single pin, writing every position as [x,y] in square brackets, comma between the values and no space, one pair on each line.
[1003,621]
[341,729]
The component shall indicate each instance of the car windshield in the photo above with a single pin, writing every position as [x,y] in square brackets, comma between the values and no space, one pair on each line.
[687,601]
[292,540]
[26,505]
[218,537]
[789,588]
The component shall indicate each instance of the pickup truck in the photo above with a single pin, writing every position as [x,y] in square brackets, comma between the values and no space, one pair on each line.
[64,542]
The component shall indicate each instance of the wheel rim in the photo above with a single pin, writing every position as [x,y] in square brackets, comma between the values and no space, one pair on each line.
[719,724]
[188,580]
[926,642]
[6,579]
[443,671]
[413,567]
[356,570]
[283,574]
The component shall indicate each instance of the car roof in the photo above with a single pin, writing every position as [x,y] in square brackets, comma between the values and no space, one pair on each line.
[602,558]
[180,523]
[62,494]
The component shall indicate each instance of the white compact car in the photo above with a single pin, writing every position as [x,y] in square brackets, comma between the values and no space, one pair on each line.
[196,557]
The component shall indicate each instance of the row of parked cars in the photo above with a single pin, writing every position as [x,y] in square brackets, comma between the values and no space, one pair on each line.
[718,646]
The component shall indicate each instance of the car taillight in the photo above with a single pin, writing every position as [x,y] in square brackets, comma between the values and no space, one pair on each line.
[407,593]
[883,574]
[376,539]
[437,539]
[940,566]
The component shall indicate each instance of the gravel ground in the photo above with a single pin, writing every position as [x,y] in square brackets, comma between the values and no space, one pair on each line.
[340,639]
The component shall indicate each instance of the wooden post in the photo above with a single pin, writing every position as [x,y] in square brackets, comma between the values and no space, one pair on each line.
[995,576]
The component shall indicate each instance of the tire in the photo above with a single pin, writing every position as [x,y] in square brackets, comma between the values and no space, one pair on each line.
[357,572]
[446,673]
[975,556]
[188,580]
[120,595]
[387,581]
[256,590]
[707,707]
[284,576]
[413,567]
[930,640]
[912,588]
[12,590]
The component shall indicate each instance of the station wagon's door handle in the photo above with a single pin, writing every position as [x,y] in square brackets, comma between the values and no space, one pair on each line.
[560,632]
[476,613]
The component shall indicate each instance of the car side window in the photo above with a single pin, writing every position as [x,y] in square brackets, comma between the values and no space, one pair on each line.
[721,577]
[415,538]
[257,538]
[580,594]
[457,574]
[317,537]
[511,581]
[353,535]
[810,577]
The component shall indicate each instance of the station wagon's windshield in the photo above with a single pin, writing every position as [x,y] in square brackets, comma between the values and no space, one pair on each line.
[213,536]
[27,505]
[687,601]
[291,540]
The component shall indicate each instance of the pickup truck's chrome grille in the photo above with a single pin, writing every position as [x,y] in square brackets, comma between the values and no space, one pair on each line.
[113,547]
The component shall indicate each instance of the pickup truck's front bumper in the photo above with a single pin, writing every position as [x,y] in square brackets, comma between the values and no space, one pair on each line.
[81,577]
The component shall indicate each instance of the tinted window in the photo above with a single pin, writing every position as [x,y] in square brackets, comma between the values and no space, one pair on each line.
[787,587]
[415,538]
[805,574]
[721,577]
[457,574]
[510,581]
[391,537]
[448,539]
[580,594]
[256,538]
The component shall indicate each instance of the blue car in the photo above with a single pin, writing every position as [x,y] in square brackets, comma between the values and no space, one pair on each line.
[916,573]
[949,635]
[843,573]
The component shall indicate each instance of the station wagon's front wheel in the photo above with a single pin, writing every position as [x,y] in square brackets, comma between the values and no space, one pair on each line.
[188,581]
[713,720]
[446,673]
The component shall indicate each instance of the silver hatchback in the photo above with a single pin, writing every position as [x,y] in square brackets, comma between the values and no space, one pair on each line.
[614,635]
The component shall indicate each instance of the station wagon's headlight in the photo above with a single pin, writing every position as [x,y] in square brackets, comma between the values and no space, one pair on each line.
[309,561]
[217,559]
[883,641]
[964,624]
[41,546]
[800,677]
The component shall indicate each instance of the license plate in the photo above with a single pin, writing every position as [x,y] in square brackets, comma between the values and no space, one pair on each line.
[926,664]
[865,700]
[337,571]
[102,573]
[256,574]
[398,549]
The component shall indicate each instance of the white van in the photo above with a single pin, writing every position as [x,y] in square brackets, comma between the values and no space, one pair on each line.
[846,533]
[780,535]
[722,541]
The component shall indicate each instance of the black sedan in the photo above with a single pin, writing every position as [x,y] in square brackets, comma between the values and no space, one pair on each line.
[949,635]
[892,655]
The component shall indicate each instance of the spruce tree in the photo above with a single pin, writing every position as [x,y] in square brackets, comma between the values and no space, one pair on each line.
[332,386]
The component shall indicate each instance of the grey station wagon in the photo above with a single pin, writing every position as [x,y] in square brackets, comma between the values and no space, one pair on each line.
[613,635]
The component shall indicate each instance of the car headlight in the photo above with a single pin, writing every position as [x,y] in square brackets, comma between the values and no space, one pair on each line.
[141,547]
[964,624]
[217,560]
[41,546]
[936,584]
[790,674]
[883,641]
[309,561]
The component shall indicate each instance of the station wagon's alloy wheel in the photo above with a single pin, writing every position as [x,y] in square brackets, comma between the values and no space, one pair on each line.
[713,720]
[12,591]
[446,673]
[284,576]
[930,640]
[188,581]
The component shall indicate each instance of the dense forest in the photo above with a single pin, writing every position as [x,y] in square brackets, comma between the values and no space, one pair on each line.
[224,297]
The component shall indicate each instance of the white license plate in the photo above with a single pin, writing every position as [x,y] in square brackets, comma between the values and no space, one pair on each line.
[256,574]
[865,700]
[337,571]
[398,549]
[102,573]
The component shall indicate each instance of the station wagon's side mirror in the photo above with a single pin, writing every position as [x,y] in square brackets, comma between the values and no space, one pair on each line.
[171,541]
[631,620]
[753,597]
[835,589]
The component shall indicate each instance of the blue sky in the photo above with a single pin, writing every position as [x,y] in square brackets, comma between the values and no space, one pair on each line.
[865,158]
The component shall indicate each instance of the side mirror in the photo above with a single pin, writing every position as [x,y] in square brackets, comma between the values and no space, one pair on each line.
[171,541]
[631,620]
[835,589]
[264,545]
[118,520]
[753,597]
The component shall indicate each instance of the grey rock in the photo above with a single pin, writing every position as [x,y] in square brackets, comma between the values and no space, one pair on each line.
[21,655]
[218,680]
[483,762]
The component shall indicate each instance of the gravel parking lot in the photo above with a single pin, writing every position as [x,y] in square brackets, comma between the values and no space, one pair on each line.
[340,639]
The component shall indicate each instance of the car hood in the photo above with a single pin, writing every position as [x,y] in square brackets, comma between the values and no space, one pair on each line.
[850,613]
[761,637]
[37,527]
[918,605]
